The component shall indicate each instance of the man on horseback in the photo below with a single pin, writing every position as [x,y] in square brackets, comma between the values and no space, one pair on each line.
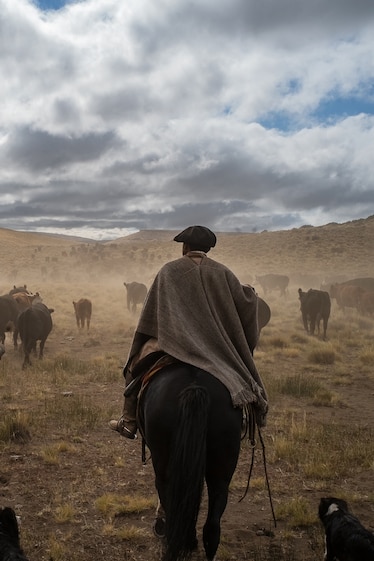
[199,313]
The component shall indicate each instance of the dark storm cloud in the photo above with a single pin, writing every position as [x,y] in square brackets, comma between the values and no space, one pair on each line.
[39,150]
[287,22]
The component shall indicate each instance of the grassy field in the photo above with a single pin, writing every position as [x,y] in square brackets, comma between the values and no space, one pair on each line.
[81,491]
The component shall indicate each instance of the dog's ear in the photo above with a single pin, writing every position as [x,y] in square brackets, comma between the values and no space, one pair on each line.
[323,507]
[326,502]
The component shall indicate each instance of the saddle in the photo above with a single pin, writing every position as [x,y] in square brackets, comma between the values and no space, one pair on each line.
[147,367]
[142,373]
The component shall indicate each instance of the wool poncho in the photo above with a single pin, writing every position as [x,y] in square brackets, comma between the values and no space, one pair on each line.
[202,315]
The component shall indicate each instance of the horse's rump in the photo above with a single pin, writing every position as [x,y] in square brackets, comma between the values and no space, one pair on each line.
[193,433]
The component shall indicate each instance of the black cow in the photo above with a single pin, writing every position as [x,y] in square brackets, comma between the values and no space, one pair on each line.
[273,281]
[263,312]
[83,312]
[315,305]
[136,294]
[366,283]
[34,324]
[8,317]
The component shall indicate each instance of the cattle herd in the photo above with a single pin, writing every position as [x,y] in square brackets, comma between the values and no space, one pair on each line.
[27,317]
[315,304]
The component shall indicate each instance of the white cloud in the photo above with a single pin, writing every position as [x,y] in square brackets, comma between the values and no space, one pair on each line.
[143,115]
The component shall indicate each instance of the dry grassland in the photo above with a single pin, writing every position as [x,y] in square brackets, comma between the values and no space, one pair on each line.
[82,492]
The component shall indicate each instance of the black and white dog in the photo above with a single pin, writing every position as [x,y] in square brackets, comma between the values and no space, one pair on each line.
[346,538]
[10,549]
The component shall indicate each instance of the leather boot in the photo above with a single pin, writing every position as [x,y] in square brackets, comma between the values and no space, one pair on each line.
[126,424]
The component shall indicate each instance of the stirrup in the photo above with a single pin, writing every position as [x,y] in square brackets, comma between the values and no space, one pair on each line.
[124,431]
[120,427]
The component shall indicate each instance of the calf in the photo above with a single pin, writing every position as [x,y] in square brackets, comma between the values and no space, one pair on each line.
[34,324]
[83,312]
[315,305]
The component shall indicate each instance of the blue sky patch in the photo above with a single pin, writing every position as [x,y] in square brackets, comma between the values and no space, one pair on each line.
[281,121]
[339,108]
[51,4]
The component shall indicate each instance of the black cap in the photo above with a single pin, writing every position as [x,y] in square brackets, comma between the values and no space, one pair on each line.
[197,237]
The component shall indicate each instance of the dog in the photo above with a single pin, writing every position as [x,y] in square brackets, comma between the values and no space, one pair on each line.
[10,549]
[346,537]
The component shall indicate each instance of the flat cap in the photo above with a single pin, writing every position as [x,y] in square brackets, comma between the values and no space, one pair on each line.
[197,236]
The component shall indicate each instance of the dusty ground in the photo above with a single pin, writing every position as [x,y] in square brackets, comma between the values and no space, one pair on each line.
[95,463]
[104,463]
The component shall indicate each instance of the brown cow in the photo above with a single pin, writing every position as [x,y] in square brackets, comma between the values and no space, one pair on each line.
[17,289]
[25,300]
[346,295]
[83,311]
[366,307]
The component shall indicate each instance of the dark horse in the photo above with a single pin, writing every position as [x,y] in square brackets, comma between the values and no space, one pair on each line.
[193,433]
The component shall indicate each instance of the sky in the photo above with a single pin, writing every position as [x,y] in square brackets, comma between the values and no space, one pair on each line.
[240,115]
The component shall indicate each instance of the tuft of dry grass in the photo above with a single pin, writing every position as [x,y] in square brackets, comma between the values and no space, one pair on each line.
[126,533]
[298,512]
[14,427]
[51,454]
[300,385]
[366,357]
[118,505]
[64,513]
[320,450]
[322,356]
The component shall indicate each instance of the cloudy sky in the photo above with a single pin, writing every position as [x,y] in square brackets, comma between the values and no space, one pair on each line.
[242,115]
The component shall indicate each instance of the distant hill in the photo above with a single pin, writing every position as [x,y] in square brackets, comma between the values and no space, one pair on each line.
[313,252]
[16,236]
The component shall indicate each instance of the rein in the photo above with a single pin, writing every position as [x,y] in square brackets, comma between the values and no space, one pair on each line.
[250,430]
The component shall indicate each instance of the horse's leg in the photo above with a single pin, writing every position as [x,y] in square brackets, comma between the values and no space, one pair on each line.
[217,494]
[160,521]
[222,459]
[161,484]
[160,462]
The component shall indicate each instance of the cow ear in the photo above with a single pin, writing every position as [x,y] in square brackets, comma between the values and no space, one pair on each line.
[51,310]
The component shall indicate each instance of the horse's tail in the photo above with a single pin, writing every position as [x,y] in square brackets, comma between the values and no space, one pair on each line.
[187,472]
